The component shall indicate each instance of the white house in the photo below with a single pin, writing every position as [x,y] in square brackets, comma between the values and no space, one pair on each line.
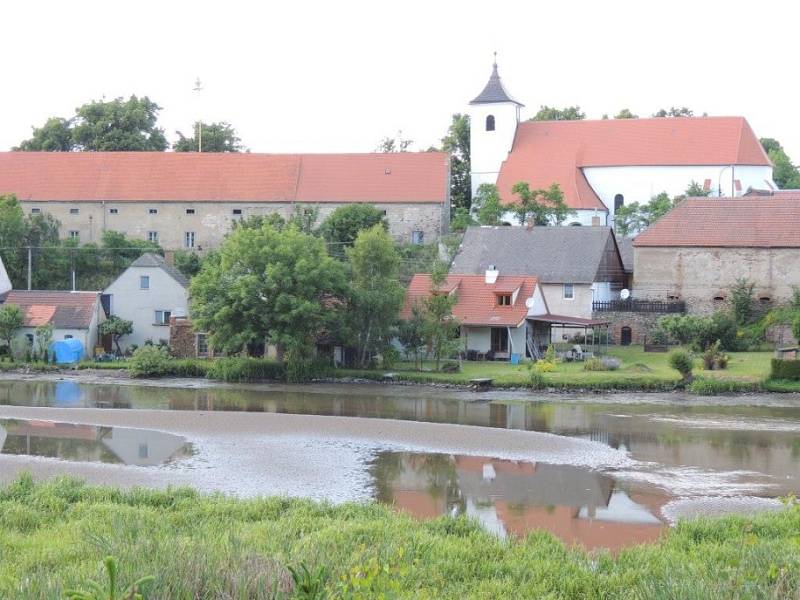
[603,164]
[5,282]
[148,293]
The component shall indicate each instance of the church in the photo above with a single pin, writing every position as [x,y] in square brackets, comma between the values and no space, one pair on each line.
[601,165]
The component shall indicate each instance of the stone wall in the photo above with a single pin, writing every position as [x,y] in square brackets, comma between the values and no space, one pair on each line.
[182,340]
[641,324]
[211,221]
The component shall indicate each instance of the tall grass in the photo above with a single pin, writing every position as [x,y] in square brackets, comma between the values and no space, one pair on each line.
[54,536]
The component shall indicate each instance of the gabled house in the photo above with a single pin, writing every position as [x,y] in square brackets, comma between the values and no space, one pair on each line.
[74,315]
[575,266]
[148,293]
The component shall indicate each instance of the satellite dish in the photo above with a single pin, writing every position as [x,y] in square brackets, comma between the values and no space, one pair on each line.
[529,302]
[625,294]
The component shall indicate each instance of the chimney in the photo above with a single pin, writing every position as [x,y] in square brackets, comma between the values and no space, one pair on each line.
[491,274]
[595,221]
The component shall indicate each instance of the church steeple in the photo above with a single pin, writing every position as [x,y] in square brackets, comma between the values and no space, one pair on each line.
[494,91]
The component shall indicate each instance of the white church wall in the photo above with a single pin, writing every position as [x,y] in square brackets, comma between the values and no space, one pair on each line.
[579,217]
[490,148]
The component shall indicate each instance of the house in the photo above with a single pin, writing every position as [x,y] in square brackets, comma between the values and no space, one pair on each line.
[5,281]
[601,165]
[575,266]
[698,251]
[72,314]
[190,200]
[148,293]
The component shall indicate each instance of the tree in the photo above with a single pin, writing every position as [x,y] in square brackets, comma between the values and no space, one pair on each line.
[54,136]
[625,113]
[488,207]
[269,284]
[217,137]
[550,113]
[695,190]
[119,125]
[43,336]
[544,206]
[411,333]
[12,237]
[343,225]
[188,263]
[785,174]
[116,328]
[456,143]
[441,327]
[674,111]
[11,319]
[304,217]
[390,144]
[632,218]
[460,219]
[376,294]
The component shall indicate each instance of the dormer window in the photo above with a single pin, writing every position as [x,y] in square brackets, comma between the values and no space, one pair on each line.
[490,123]
[504,300]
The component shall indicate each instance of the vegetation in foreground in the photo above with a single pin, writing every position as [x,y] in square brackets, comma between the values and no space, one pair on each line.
[55,536]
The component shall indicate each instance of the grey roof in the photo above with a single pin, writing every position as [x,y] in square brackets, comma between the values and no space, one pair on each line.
[625,245]
[148,259]
[553,254]
[494,91]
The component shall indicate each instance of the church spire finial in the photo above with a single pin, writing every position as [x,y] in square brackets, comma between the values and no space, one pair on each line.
[495,59]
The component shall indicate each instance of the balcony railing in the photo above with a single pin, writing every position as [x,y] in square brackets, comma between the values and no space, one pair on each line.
[643,306]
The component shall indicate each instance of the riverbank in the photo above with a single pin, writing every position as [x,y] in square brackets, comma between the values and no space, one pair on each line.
[200,546]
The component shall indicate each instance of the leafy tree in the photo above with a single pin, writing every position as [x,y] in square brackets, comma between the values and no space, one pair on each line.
[625,113]
[488,207]
[269,284]
[796,327]
[43,336]
[550,113]
[217,137]
[12,237]
[54,136]
[632,218]
[116,328]
[11,319]
[117,125]
[456,143]
[274,220]
[441,327]
[394,144]
[343,225]
[674,111]
[376,294]
[411,334]
[188,263]
[785,174]
[461,219]
[695,190]
[304,217]
[742,301]
[544,206]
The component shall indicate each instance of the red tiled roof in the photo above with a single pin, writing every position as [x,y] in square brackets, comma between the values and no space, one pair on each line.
[749,222]
[63,310]
[186,176]
[477,300]
[547,152]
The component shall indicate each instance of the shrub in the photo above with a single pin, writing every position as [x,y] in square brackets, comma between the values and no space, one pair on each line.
[544,366]
[703,386]
[188,367]
[785,369]
[149,361]
[713,358]
[246,369]
[701,332]
[550,354]
[593,364]
[450,367]
[681,361]
[742,301]
[536,380]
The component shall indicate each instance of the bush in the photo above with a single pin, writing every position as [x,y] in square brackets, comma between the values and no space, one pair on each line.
[593,364]
[681,361]
[246,369]
[713,358]
[701,332]
[149,361]
[785,369]
[544,366]
[536,380]
[703,386]
[188,367]
[450,367]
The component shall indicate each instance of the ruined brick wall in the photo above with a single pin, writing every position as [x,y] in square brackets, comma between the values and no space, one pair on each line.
[641,324]
[182,338]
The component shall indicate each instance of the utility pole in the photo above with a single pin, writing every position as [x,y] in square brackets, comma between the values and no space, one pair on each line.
[198,87]
[30,266]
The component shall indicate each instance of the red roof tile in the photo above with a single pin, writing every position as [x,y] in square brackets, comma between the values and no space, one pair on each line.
[547,152]
[187,176]
[477,300]
[64,310]
[749,222]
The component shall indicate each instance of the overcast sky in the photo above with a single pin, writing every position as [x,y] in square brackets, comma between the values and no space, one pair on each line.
[337,76]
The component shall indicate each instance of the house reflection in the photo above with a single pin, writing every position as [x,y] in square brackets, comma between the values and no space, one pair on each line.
[577,505]
[90,443]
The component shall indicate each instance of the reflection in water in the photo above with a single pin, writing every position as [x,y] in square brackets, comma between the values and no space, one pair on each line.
[90,443]
[577,505]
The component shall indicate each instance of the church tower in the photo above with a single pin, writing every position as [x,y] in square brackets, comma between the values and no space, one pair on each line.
[494,116]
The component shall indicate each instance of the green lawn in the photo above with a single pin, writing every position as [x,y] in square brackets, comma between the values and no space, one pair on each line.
[54,536]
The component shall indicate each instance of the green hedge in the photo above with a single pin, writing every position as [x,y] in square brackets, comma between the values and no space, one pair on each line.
[245,369]
[785,369]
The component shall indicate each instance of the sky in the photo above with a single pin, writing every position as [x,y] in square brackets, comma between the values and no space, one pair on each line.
[339,76]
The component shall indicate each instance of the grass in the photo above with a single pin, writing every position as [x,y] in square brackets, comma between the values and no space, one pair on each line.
[55,535]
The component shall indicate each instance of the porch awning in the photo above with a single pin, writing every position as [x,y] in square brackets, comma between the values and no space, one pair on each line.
[571,321]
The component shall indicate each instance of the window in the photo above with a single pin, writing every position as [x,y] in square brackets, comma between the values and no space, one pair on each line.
[74,211]
[74,234]
[417,237]
[504,300]
[575,224]
[162,317]
[36,211]
[202,344]
[619,202]
[152,211]
[189,211]
[68,336]
[237,211]
[29,337]
[144,282]
[152,236]
[499,339]
[113,211]
[144,451]
[188,239]
[569,291]
[490,123]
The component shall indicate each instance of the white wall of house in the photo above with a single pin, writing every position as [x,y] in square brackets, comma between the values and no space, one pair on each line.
[130,302]
[87,337]
[490,148]
[480,339]
[579,306]
[5,282]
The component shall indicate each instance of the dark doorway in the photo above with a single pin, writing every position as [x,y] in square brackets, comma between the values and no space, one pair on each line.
[499,339]
[625,336]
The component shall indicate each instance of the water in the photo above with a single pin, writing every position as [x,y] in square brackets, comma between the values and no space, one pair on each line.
[90,443]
